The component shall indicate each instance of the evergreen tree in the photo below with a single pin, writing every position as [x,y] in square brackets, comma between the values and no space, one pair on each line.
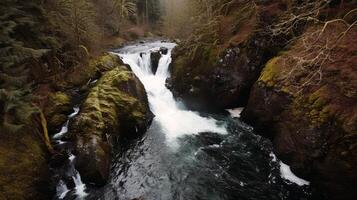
[149,11]
[18,27]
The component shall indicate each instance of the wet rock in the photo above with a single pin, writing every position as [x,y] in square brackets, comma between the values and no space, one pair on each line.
[155,58]
[116,107]
[58,159]
[163,50]
[314,127]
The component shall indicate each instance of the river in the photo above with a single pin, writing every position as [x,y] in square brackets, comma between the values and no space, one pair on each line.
[189,155]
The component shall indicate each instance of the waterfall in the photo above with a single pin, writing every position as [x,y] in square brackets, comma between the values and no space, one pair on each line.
[79,187]
[174,120]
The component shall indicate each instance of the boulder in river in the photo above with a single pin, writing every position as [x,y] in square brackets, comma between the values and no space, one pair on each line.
[155,58]
[164,50]
[308,108]
[116,107]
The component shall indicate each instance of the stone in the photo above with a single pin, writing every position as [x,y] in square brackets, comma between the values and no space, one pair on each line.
[155,58]
[116,108]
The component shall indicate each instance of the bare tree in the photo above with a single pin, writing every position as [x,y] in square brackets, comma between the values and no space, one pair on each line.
[318,48]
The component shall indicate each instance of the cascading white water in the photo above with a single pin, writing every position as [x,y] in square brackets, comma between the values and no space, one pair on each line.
[62,188]
[174,120]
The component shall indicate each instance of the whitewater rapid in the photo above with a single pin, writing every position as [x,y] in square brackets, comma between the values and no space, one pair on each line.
[173,118]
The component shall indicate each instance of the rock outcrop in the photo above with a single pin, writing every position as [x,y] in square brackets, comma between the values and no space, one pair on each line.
[116,107]
[220,73]
[305,101]
[57,109]
[155,58]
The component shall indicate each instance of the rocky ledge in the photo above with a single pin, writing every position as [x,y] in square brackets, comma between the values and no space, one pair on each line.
[116,107]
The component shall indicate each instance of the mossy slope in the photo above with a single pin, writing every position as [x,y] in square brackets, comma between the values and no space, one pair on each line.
[24,173]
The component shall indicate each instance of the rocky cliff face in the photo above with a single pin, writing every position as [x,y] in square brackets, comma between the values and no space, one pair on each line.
[305,101]
[304,98]
[220,74]
[116,107]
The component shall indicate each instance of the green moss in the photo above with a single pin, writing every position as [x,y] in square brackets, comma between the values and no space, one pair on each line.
[57,120]
[58,106]
[315,107]
[270,72]
[60,98]
[104,63]
[111,100]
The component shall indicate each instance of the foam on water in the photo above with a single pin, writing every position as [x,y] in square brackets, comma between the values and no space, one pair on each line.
[174,120]
[64,128]
[287,174]
[61,189]
[79,188]
[235,112]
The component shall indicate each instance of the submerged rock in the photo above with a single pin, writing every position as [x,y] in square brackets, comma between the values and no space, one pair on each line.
[312,120]
[116,107]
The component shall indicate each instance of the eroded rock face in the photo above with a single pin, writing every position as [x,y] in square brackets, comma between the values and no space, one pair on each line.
[116,107]
[313,127]
[221,75]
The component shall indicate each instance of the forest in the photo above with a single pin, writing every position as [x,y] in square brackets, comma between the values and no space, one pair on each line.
[178,99]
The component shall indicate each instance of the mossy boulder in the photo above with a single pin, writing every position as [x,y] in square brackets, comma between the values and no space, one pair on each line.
[218,70]
[312,120]
[56,110]
[24,173]
[84,73]
[116,107]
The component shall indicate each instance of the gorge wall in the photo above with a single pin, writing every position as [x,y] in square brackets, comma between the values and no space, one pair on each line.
[299,90]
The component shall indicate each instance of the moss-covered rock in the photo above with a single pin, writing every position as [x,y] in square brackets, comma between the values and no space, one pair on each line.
[56,110]
[58,104]
[312,121]
[24,173]
[82,74]
[116,107]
